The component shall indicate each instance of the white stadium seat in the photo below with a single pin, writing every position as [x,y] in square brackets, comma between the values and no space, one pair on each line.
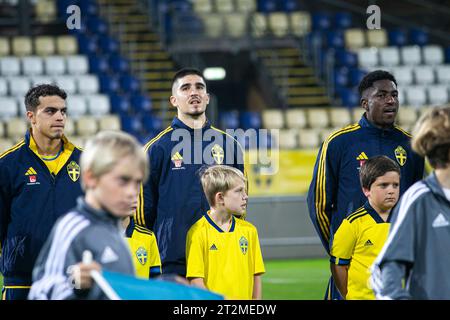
[411,55]
[403,75]
[3,87]
[389,56]
[76,106]
[77,64]
[55,65]
[443,74]
[367,57]
[416,96]
[88,84]
[424,74]
[438,94]
[18,86]
[9,108]
[67,83]
[10,66]
[98,104]
[433,55]
[32,65]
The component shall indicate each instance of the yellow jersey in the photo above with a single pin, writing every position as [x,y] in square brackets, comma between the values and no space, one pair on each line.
[144,251]
[357,242]
[226,260]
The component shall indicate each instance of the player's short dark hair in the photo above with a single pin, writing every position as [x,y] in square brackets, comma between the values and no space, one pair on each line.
[373,76]
[42,90]
[376,167]
[185,72]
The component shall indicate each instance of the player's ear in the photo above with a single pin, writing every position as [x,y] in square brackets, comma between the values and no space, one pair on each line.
[220,199]
[89,179]
[366,192]
[173,101]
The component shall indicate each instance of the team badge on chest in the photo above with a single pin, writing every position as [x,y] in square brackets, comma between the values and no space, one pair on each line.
[73,170]
[400,155]
[243,244]
[217,153]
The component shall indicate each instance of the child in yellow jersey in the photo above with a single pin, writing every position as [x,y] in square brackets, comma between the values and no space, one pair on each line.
[361,235]
[144,249]
[223,253]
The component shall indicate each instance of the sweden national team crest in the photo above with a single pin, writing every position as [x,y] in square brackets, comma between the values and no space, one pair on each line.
[400,155]
[73,170]
[243,244]
[141,255]
[217,153]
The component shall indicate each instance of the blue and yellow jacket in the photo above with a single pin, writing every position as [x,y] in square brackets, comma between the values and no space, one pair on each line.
[173,199]
[31,200]
[335,189]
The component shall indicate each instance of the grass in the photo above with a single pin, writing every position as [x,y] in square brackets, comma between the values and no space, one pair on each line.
[292,279]
[295,279]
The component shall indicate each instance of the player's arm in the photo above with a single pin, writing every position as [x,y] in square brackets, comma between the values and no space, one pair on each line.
[257,287]
[322,192]
[5,203]
[340,276]
[149,194]
[198,282]
[155,259]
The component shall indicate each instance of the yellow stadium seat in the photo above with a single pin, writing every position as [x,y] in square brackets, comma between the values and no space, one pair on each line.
[259,25]
[16,128]
[22,46]
[5,144]
[44,45]
[278,23]
[273,119]
[4,46]
[69,128]
[308,138]
[109,122]
[288,138]
[318,118]
[86,126]
[66,45]
[296,118]
[340,117]
[45,11]
[357,112]
[235,24]
[407,116]
[202,6]
[300,23]
[354,39]
[377,38]
[213,24]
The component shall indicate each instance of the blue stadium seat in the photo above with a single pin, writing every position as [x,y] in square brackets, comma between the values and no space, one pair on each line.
[346,58]
[129,83]
[108,45]
[141,103]
[349,97]
[356,76]
[97,25]
[108,83]
[152,123]
[447,54]
[229,120]
[267,6]
[250,120]
[181,5]
[335,39]
[288,5]
[341,77]
[87,44]
[418,36]
[342,20]
[397,37]
[88,7]
[131,124]
[98,64]
[120,104]
[119,64]
[321,21]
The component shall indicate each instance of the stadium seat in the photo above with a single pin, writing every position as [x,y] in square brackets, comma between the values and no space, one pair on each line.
[317,118]
[87,84]
[32,65]
[129,83]
[416,96]
[288,139]
[266,5]
[367,57]
[376,38]
[152,123]
[273,119]
[296,118]
[10,66]
[438,94]
[246,6]
[120,104]
[324,133]
[203,6]
[98,105]
[141,103]
[69,127]
[15,128]
[5,144]
[87,44]
[321,21]
[9,108]
[389,56]
[76,106]
[44,45]
[424,74]
[308,138]
[258,25]
[99,64]
[18,86]
[418,37]
[109,84]
[443,74]
[300,22]
[346,58]
[339,117]
[86,126]
[354,39]
[109,122]
[250,120]
[108,45]
[397,37]
[118,63]
[3,87]
[35,80]
[22,46]
[67,83]
[77,64]
[224,6]
[335,39]
[54,65]
[235,24]
[213,23]
[97,25]
[342,20]
[433,55]
[45,11]
[78,141]
[229,120]
[349,97]
[278,23]
[403,75]
[411,55]
[131,124]
[407,116]
[4,47]
[357,113]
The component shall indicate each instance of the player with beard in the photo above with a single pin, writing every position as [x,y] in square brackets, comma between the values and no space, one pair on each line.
[173,200]
[335,190]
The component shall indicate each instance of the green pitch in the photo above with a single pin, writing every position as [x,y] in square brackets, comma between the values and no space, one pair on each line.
[295,279]
[292,279]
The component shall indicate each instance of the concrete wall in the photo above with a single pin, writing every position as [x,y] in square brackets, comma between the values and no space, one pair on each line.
[284,227]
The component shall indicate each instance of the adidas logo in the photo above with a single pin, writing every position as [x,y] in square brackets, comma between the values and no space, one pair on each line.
[440,221]
[362,156]
[213,247]
[368,243]
[108,256]
[30,172]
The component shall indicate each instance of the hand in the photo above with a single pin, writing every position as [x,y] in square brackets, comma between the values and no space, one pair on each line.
[80,274]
